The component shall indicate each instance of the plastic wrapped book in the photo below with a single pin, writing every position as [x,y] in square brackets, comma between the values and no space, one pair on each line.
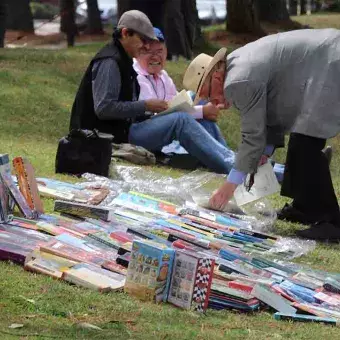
[191,280]
[94,278]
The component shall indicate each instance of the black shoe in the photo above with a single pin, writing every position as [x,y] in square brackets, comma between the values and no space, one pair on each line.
[322,231]
[328,151]
[291,214]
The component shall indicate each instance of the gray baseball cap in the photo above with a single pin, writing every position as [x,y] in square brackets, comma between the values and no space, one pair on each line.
[138,22]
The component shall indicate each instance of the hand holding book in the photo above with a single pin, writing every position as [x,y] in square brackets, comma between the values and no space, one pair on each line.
[180,103]
[156,105]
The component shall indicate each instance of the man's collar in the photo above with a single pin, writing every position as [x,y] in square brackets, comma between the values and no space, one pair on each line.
[140,70]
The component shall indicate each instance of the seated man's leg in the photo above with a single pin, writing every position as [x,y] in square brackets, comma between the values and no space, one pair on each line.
[214,130]
[279,170]
[157,132]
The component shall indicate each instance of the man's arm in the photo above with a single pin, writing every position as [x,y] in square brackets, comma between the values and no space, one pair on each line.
[251,100]
[106,85]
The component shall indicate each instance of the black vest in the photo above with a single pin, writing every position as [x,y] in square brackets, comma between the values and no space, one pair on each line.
[83,115]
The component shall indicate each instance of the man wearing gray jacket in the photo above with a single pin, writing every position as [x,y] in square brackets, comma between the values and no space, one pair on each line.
[282,83]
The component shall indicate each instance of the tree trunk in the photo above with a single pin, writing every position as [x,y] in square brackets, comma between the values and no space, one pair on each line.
[154,9]
[3,14]
[122,6]
[94,22]
[242,17]
[19,16]
[272,10]
[293,7]
[67,21]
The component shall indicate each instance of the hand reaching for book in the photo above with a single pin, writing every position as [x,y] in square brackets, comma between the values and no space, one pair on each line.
[211,111]
[156,105]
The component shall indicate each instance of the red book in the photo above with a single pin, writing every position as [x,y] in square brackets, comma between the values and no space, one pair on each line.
[241,286]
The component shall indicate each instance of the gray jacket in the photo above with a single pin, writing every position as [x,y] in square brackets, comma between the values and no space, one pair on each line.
[287,82]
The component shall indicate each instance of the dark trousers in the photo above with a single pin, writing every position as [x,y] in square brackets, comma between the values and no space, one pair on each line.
[307,179]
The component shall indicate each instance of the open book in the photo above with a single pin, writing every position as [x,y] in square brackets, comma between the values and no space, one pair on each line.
[182,102]
[265,184]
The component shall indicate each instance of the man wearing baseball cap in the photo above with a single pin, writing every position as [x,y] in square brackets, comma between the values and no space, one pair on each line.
[107,98]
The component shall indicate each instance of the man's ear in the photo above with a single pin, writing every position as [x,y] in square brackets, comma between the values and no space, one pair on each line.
[125,32]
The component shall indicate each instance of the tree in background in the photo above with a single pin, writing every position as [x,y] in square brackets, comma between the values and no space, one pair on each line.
[67,21]
[19,16]
[272,10]
[243,17]
[3,14]
[94,23]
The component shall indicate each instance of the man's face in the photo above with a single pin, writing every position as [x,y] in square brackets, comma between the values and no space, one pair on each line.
[153,59]
[212,88]
[134,43]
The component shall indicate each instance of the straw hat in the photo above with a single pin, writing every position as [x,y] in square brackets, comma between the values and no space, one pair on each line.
[199,69]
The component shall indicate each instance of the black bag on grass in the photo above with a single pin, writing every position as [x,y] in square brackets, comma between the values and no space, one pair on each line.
[84,151]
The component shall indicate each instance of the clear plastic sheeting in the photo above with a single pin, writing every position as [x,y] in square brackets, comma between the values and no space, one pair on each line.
[196,187]
[262,212]
[115,187]
[289,248]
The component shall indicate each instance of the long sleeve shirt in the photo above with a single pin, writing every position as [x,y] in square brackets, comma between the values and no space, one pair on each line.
[159,86]
[106,86]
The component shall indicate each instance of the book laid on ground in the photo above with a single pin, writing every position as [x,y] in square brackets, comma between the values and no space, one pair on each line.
[89,276]
[48,264]
[182,102]
[266,295]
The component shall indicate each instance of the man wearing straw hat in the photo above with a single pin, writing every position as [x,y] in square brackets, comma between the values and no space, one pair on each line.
[282,83]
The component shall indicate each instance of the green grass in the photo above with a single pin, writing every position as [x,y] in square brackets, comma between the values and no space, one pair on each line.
[36,93]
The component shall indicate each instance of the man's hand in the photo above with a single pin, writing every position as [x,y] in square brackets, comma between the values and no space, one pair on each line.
[156,105]
[263,160]
[211,111]
[222,196]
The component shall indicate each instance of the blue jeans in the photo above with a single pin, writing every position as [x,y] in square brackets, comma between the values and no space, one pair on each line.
[201,138]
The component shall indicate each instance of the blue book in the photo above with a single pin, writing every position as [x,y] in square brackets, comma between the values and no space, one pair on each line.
[303,318]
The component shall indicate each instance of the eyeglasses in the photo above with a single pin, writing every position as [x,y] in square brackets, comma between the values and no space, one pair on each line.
[158,52]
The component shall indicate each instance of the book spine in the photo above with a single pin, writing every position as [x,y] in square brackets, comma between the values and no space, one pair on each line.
[82,210]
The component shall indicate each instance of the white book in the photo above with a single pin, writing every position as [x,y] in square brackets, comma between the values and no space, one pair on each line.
[272,299]
[182,102]
[265,184]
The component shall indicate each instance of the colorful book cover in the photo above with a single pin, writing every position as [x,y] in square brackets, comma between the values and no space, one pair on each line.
[149,271]
[191,281]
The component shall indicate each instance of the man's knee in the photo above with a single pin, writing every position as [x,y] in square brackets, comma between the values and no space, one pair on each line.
[183,118]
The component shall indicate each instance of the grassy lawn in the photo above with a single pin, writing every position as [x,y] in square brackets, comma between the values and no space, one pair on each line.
[36,93]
